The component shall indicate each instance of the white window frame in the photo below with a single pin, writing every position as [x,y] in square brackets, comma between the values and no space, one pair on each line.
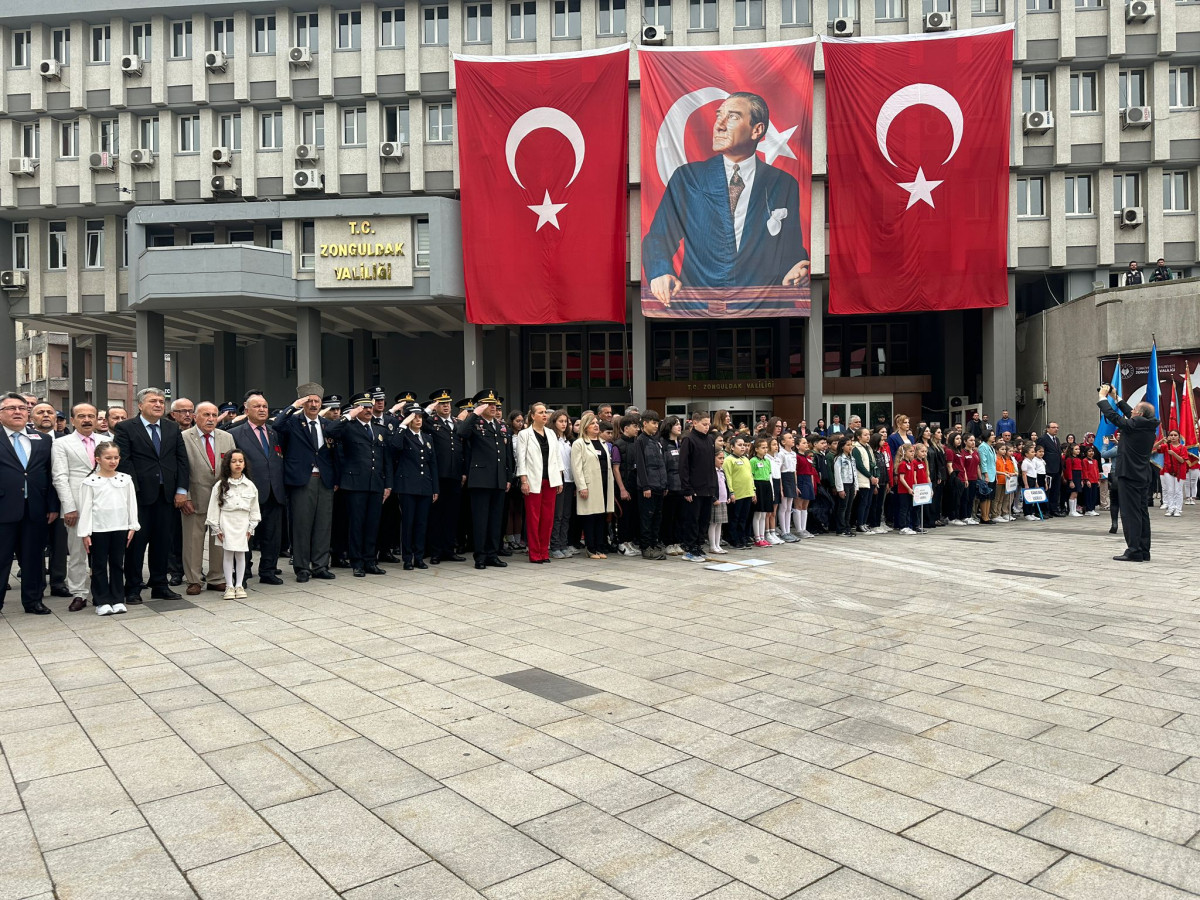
[1079,190]
[1078,91]
[56,246]
[354,126]
[264,35]
[477,23]
[985,7]
[229,131]
[93,244]
[270,130]
[1089,4]
[101,44]
[889,10]
[1181,82]
[1040,5]
[312,127]
[1177,183]
[749,13]
[421,241]
[1125,184]
[843,9]
[1025,186]
[1128,79]
[397,124]
[20,246]
[60,45]
[222,36]
[792,12]
[188,135]
[22,48]
[435,25]
[181,39]
[441,131]
[1030,86]
[561,19]
[141,40]
[657,12]
[349,30]
[68,139]
[108,136]
[308,246]
[31,140]
[307,31]
[391,28]
[702,15]
[608,14]
[148,137]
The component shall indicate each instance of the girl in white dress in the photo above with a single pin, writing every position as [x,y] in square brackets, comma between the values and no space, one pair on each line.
[232,514]
[108,518]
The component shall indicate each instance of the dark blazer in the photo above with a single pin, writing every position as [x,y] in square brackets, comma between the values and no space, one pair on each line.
[299,454]
[15,479]
[362,456]
[697,465]
[1053,453]
[695,210]
[446,444]
[490,455]
[266,470]
[168,467]
[1137,441]
[414,463]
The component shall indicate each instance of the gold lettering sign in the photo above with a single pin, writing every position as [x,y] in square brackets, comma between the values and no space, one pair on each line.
[731,386]
[371,253]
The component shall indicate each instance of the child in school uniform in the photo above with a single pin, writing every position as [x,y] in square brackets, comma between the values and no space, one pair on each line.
[720,510]
[1006,471]
[1073,475]
[843,478]
[1033,475]
[108,517]
[787,487]
[773,456]
[920,466]
[1091,480]
[741,493]
[904,483]
[760,471]
[807,477]
[232,514]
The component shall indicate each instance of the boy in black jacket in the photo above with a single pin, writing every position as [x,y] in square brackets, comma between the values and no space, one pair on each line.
[651,468]
[627,531]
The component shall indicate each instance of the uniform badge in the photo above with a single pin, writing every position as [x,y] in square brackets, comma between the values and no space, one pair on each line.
[379,437]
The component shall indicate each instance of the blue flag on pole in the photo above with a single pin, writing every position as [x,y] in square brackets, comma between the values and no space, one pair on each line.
[1106,429]
[1152,395]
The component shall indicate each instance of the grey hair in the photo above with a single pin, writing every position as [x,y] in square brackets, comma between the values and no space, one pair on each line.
[149,392]
[179,400]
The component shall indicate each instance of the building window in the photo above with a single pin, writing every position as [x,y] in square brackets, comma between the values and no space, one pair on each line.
[843,9]
[22,42]
[264,34]
[440,118]
[1176,193]
[749,13]
[275,238]
[702,14]
[223,36]
[1079,195]
[555,359]
[270,132]
[68,143]
[307,33]
[1089,4]
[148,134]
[794,12]
[101,43]
[395,124]
[437,26]
[308,246]
[124,243]
[1083,92]
[1131,88]
[421,260]
[109,136]
[189,134]
[985,7]
[349,33]
[479,23]
[566,18]
[1035,93]
[681,354]
[743,352]
[181,39]
[31,140]
[93,244]
[354,127]
[312,127]
[231,131]
[610,17]
[1031,198]
[1127,191]
[141,40]
[929,6]
[56,246]
[60,45]
[1039,5]
[522,21]
[657,12]
[888,9]
[243,237]
[20,245]
[1182,83]
[608,361]
[391,27]
[116,368]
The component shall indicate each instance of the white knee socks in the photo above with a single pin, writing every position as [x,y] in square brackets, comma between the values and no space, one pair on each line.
[714,536]
[784,519]
[760,526]
[234,565]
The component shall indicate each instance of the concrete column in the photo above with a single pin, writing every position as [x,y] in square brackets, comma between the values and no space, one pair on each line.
[360,360]
[472,359]
[814,356]
[100,370]
[225,382]
[77,390]
[640,344]
[187,376]
[8,348]
[151,348]
[1000,355]
[308,345]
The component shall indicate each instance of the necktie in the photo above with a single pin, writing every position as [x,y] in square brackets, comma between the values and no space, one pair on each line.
[262,439]
[208,449]
[20,448]
[312,435]
[156,439]
[736,186]
[89,444]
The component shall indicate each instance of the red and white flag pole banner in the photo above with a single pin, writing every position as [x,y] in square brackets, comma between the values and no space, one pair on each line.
[918,142]
[542,167]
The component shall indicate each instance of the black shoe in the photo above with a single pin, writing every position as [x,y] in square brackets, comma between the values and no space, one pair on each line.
[163,593]
[374,570]
[504,551]
[496,563]
[341,563]
[38,609]
[408,567]
[359,573]
[1129,557]
[1112,530]
[420,564]
[302,576]
[434,560]
[133,599]
[1145,556]
[60,591]
[175,580]
[480,565]
[270,579]
[323,574]
[389,558]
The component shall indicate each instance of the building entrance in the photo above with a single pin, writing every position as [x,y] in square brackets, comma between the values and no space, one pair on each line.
[874,410]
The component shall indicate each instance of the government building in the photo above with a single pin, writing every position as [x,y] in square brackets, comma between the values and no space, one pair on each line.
[185,181]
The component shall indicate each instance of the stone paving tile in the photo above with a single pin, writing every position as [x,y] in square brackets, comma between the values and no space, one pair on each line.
[1028,753]
[605,786]
[557,879]
[206,826]
[159,768]
[301,727]
[429,881]
[1000,888]
[266,774]
[368,773]
[921,750]
[24,872]
[730,792]
[1171,789]
[129,866]
[213,727]
[508,793]
[615,744]
[692,739]
[985,845]
[524,747]
[13,721]
[1116,750]
[276,871]
[1076,878]
[119,724]
[44,752]
[846,884]
[78,806]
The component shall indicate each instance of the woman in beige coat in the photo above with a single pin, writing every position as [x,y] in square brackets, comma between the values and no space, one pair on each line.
[595,489]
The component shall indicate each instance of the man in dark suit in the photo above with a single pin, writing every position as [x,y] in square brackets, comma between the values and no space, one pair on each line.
[1138,429]
[737,216]
[260,442]
[388,538]
[442,429]
[1049,441]
[415,481]
[154,455]
[488,476]
[308,473]
[42,421]
[28,502]
[364,477]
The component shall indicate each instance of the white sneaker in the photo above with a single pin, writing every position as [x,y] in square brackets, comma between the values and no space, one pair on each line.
[104,610]
[907,531]
[1031,518]
[880,530]
[773,538]
[1075,515]
[717,550]
[674,550]
[230,594]
[957,522]
[239,593]
[119,608]
[972,521]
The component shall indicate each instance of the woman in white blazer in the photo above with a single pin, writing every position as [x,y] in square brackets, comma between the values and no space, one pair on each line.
[595,488]
[540,471]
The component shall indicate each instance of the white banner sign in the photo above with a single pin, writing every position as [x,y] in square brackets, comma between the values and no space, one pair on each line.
[922,494]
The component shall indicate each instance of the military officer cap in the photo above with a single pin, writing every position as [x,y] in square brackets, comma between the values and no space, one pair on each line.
[347,406]
[377,393]
[441,395]
[463,404]
[331,401]
[362,398]
[410,408]
[485,396]
[405,397]
[308,389]
[227,407]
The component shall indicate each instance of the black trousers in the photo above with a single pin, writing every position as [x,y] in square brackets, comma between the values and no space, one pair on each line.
[267,535]
[414,516]
[175,554]
[693,523]
[628,526]
[1135,514]
[388,537]
[363,509]
[650,514]
[443,518]
[1114,500]
[26,540]
[487,521]
[157,528]
[1053,499]
[107,558]
[58,553]
[594,532]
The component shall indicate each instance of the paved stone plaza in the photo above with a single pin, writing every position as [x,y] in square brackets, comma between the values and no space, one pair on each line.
[877,717]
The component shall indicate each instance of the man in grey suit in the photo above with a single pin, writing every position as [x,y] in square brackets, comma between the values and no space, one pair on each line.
[206,446]
[72,459]
[260,442]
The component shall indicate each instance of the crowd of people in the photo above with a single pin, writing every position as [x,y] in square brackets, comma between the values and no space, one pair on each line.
[211,492]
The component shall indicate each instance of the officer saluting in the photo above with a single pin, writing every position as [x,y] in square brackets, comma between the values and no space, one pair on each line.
[440,428]
[365,478]
[415,475]
[488,475]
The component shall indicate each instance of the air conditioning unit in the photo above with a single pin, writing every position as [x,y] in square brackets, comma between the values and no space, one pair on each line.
[1039,390]
[139,157]
[102,161]
[391,150]
[937,21]
[50,69]
[131,64]
[23,165]
[1139,10]
[221,156]
[653,34]
[307,153]
[1132,217]
[14,280]
[1020,396]
[958,402]
[225,184]
[307,180]
[300,56]
[843,26]
[1038,120]
[215,61]
[1136,117]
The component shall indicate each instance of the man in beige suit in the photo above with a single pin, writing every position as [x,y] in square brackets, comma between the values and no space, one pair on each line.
[73,457]
[206,445]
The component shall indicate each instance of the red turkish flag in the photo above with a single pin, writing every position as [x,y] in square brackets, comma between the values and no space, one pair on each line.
[542,164]
[918,133]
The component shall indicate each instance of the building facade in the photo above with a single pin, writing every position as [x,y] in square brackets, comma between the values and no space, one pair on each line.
[190,178]
[44,369]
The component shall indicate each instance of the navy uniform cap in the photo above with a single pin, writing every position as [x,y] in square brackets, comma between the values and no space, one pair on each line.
[331,401]
[227,406]
[485,396]
[463,404]
[378,393]
[362,398]
[441,395]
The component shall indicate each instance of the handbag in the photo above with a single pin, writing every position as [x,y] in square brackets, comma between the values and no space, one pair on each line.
[983,488]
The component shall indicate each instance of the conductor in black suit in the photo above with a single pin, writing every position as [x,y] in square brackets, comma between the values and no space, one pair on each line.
[364,477]
[1138,428]
[488,475]
[28,502]
[1049,442]
[441,428]
[260,442]
[154,456]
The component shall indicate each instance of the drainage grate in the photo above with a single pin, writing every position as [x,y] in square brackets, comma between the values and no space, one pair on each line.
[588,584]
[547,685]
[170,605]
[1022,574]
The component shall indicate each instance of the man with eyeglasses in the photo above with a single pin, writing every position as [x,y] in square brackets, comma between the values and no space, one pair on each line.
[42,416]
[183,414]
[28,502]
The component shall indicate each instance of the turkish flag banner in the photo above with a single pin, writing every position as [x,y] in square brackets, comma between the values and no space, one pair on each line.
[918,132]
[542,167]
[726,150]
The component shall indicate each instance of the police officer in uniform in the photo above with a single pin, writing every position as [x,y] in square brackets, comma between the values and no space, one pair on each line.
[339,530]
[415,476]
[488,475]
[365,478]
[462,409]
[440,428]
[388,538]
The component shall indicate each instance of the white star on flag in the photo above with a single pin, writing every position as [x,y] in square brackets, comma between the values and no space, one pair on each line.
[548,211]
[920,189]
[775,144]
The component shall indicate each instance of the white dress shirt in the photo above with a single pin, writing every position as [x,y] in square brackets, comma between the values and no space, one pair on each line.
[746,167]
[23,438]
[107,504]
[320,435]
